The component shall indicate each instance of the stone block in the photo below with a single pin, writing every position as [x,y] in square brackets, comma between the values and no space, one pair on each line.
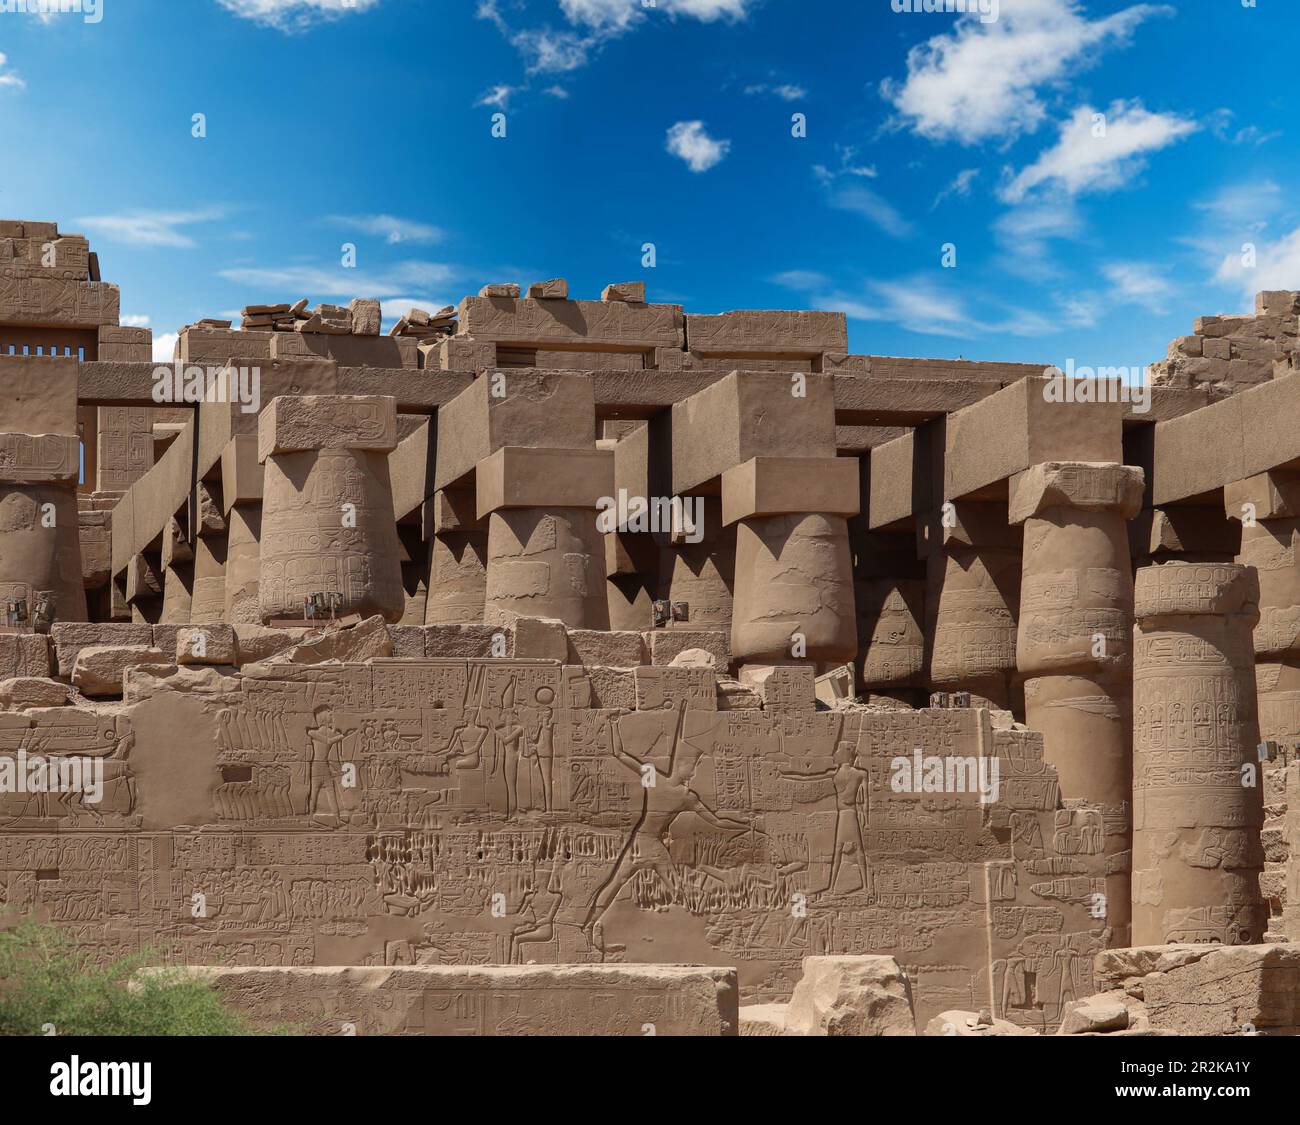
[295,423]
[539,638]
[98,669]
[206,644]
[611,648]
[771,486]
[478,1000]
[20,692]
[544,478]
[70,637]
[856,996]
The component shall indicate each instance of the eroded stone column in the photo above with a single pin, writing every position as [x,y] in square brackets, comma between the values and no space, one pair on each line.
[457,560]
[700,575]
[972,598]
[40,550]
[1074,641]
[40,533]
[545,552]
[208,589]
[327,514]
[243,564]
[1268,509]
[794,569]
[1197,789]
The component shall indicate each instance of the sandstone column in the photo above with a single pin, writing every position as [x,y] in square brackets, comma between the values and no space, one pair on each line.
[1073,645]
[40,537]
[211,547]
[457,560]
[700,574]
[766,440]
[794,571]
[327,514]
[545,553]
[1197,789]
[178,575]
[1268,508]
[972,598]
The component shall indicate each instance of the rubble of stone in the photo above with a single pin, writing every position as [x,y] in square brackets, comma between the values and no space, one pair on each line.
[560,647]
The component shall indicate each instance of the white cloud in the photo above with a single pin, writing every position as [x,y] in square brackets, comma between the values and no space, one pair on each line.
[786,91]
[135,321]
[390,228]
[861,200]
[593,23]
[553,52]
[164,347]
[295,15]
[1277,266]
[1025,234]
[1093,156]
[394,307]
[848,154]
[690,141]
[1138,283]
[960,185]
[920,304]
[1220,123]
[1082,310]
[982,80]
[625,14]
[321,281]
[498,97]
[1243,206]
[150,228]
[557,92]
[8,77]
[802,280]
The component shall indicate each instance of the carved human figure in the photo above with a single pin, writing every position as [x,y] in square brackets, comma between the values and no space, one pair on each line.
[541,752]
[325,744]
[851,783]
[666,795]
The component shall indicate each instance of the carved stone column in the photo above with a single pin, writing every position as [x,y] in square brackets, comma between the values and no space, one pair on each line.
[972,598]
[40,534]
[1197,789]
[1268,509]
[545,553]
[457,560]
[327,516]
[794,570]
[1074,641]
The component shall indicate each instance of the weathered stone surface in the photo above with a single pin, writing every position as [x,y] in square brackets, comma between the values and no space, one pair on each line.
[98,669]
[486,1000]
[366,640]
[24,655]
[33,691]
[1225,990]
[1095,1014]
[967,1025]
[851,996]
[206,644]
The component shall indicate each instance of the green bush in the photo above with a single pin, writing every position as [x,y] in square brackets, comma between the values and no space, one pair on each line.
[46,980]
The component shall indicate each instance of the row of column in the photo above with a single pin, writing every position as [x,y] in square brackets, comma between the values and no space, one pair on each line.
[1145,694]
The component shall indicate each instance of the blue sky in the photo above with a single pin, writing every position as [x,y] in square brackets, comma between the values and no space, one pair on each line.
[1076,236]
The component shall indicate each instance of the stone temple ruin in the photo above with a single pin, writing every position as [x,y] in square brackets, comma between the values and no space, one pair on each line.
[718,667]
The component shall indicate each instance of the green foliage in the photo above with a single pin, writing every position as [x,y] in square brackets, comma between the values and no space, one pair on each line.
[46,980]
